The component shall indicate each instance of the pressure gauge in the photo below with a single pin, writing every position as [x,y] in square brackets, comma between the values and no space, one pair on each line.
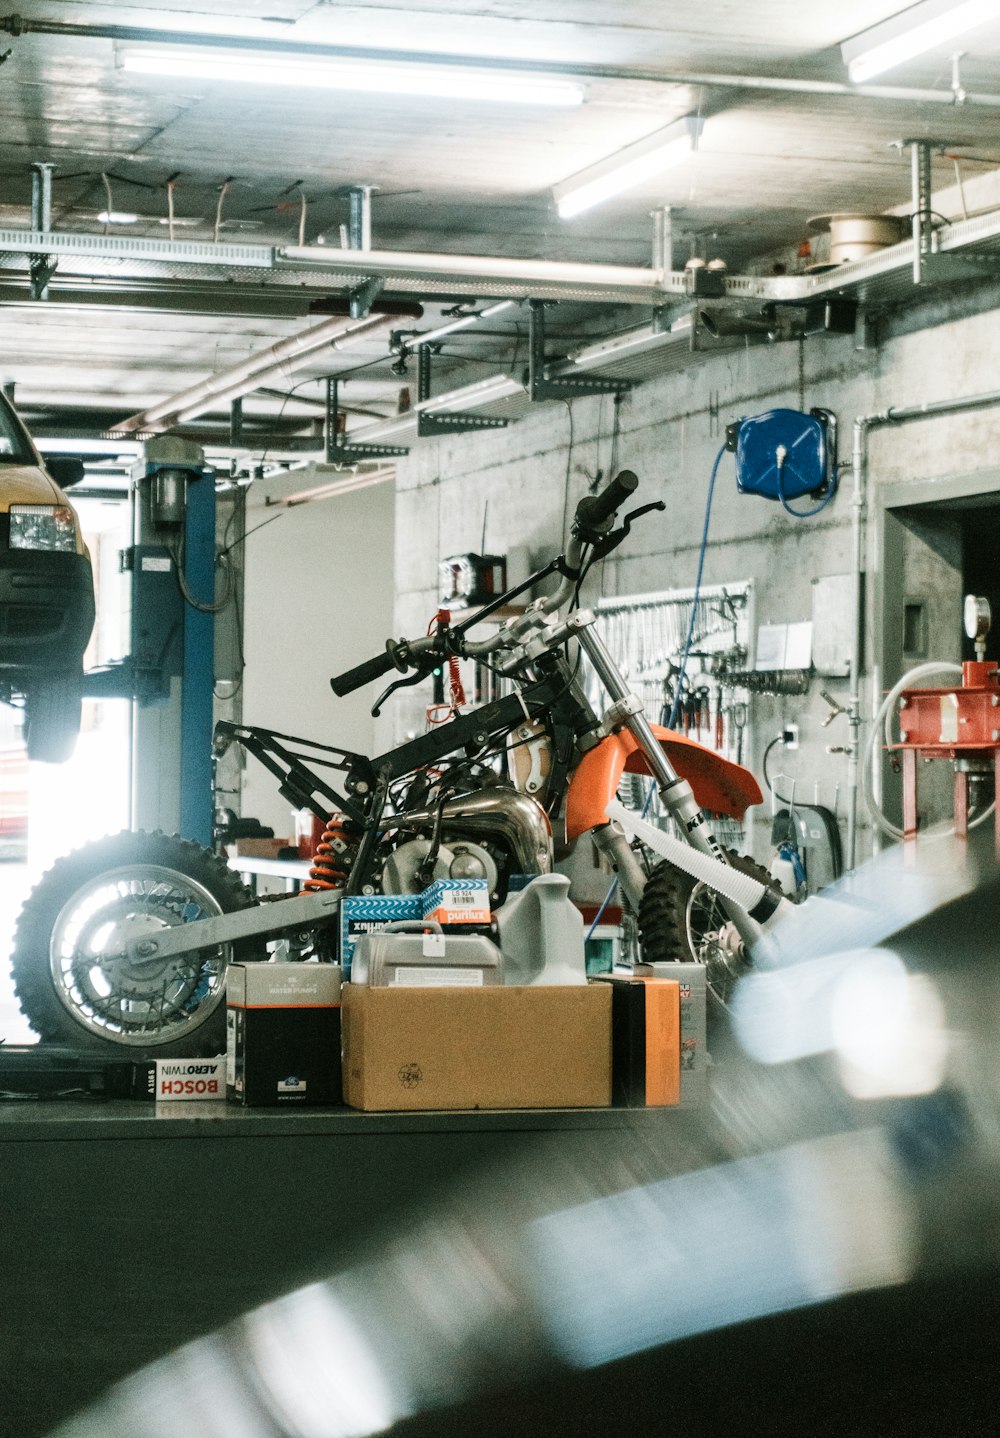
[977,621]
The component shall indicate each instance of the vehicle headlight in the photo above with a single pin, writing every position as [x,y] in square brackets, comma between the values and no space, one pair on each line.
[42,526]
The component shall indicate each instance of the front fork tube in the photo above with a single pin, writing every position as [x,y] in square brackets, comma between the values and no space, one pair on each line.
[613,843]
[675,793]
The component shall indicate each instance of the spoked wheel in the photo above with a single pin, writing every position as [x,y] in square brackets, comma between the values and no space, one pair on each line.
[683,919]
[73,980]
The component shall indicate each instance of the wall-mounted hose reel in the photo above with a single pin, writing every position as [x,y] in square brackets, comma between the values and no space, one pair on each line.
[785,455]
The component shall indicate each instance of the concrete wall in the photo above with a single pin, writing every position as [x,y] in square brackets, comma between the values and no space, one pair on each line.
[319,587]
[671,430]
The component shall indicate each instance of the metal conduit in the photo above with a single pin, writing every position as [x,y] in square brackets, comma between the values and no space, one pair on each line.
[647,283]
[463,322]
[863,425]
[17,25]
[284,357]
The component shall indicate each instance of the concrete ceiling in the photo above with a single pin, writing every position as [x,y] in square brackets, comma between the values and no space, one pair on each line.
[451,176]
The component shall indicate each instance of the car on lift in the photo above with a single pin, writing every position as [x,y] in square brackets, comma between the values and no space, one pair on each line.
[46,591]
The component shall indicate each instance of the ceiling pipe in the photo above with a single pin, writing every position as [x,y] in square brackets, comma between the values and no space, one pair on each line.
[345,485]
[476,276]
[462,322]
[626,283]
[20,25]
[284,357]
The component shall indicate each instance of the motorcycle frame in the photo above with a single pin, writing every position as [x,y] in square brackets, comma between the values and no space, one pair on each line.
[369,781]
[554,694]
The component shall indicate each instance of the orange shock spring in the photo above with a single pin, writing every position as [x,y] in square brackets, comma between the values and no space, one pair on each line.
[455,685]
[330,865]
[455,682]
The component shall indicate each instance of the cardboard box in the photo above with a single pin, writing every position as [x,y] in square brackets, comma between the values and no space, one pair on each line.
[489,1048]
[456,901]
[693,979]
[257,848]
[368,914]
[645,1040]
[168,1080]
[283,1033]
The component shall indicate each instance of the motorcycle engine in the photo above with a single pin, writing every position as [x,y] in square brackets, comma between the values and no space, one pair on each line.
[458,859]
[490,834]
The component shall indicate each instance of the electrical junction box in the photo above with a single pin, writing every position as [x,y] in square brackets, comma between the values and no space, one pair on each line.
[466,580]
[156,614]
[283,1033]
[832,624]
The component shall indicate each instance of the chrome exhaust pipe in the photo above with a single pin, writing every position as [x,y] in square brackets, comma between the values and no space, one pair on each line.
[514,819]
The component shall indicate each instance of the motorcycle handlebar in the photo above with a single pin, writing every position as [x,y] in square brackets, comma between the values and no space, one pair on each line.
[352,679]
[594,509]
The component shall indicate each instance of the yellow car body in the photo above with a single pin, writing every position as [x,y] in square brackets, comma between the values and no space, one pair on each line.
[46,593]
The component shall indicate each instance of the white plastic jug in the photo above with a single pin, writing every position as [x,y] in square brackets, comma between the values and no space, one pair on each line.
[541,934]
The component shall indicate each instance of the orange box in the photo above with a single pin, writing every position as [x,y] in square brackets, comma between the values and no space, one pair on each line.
[645,1040]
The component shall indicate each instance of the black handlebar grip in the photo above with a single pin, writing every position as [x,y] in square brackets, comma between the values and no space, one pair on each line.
[352,679]
[593,509]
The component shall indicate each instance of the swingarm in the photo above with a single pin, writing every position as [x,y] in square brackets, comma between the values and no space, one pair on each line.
[304,911]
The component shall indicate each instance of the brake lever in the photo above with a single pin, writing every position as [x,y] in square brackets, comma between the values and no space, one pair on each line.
[413,678]
[611,541]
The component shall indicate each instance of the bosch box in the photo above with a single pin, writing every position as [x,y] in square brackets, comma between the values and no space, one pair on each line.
[169,1080]
[283,1033]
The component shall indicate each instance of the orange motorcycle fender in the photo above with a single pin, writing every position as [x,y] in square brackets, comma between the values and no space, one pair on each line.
[720,786]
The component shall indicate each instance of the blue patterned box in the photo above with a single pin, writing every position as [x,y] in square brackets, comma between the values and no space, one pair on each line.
[457,901]
[367,913]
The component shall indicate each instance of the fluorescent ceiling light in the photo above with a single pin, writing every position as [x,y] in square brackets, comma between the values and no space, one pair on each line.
[619,346]
[117,217]
[446,82]
[911,32]
[60,444]
[472,396]
[628,167]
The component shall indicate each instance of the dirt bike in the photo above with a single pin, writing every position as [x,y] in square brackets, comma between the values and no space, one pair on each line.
[126,942]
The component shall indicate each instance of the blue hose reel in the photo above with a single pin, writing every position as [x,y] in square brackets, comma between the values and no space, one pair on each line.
[785,454]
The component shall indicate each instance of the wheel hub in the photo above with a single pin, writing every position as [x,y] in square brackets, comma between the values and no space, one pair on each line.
[134,1000]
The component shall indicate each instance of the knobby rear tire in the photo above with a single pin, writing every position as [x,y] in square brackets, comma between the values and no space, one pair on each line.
[87,905]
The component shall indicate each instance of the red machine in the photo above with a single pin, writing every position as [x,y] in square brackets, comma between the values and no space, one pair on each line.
[959,724]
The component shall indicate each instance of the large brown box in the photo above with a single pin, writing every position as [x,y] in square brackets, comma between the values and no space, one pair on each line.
[489,1048]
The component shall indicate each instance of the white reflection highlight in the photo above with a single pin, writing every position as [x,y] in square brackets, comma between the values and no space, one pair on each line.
[196,1392]
[889,1032]
[787,1013]
[720,1246]
[869,905]
[886,1027]
[321,1376]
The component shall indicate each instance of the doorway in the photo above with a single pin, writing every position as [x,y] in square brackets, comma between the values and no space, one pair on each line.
[936,542]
